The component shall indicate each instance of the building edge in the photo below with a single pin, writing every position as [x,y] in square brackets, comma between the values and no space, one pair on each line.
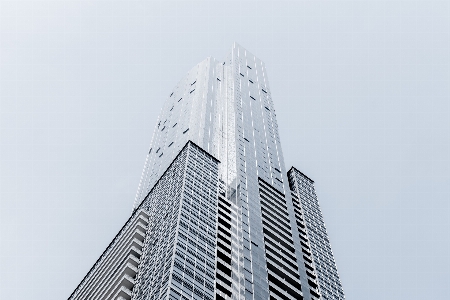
[133,214]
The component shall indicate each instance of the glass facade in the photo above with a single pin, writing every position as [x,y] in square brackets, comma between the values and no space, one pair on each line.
[225,219]
[179,250]
[314,234]
[226,108]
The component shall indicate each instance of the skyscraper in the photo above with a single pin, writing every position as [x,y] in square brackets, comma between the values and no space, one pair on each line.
[216,214]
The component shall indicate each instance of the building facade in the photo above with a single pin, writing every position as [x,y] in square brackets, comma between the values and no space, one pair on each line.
[167,248]
[313,234]
[229,222]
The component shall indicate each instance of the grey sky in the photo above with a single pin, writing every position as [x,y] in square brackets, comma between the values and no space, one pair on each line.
[362,93]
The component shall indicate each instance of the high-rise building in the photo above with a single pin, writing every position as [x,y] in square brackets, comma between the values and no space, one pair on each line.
[217,215]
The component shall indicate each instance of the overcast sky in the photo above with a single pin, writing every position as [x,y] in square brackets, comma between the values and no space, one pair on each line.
[362,94]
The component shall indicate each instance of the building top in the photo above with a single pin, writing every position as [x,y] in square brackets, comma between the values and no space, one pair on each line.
[294,168]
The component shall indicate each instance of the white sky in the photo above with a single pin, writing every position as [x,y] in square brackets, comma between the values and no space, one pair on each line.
[362,94]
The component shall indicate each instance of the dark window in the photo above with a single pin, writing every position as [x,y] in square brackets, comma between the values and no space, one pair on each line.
[222,289]
[224,257]
[218,297]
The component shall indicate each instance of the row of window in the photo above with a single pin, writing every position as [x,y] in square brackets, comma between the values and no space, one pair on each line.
[279,245]
[224,248]
[194,262]
[321,250]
